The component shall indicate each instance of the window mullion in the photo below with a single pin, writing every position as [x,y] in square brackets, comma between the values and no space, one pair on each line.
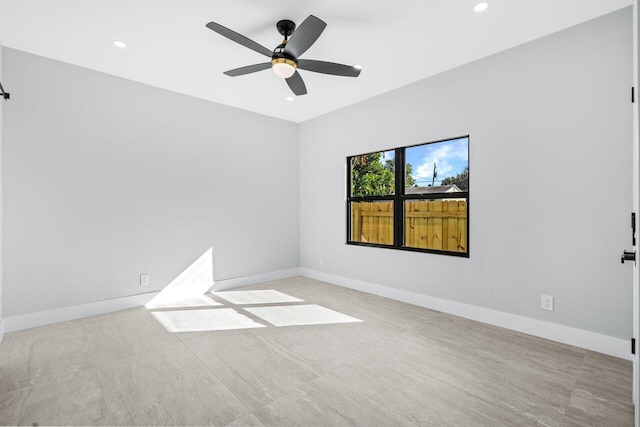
[398,227]
[348,199]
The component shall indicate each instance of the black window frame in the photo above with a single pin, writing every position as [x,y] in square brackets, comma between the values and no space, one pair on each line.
[399,197]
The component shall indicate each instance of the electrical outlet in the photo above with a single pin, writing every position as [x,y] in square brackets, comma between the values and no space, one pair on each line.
[321,261]
[144,280]
[547,302]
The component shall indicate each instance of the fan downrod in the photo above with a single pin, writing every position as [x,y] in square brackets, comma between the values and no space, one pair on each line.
[286,27]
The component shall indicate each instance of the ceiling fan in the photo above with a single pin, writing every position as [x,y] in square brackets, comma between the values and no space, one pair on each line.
[284,58]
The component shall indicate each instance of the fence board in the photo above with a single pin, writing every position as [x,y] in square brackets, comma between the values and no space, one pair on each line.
[446,207]
[436,242]
[452,224]
[388,225]
[367,232]
[423,226]
[432,224]
[356,222]
[462,229]
[409,227]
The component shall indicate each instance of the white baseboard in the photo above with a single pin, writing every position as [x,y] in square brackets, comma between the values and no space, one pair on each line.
[565,334]
[32,320]
[578,337]
[255,279]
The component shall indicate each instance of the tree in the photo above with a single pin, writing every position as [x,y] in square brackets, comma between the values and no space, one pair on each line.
[390,164]
[369,177]
[461,180]
[408,179]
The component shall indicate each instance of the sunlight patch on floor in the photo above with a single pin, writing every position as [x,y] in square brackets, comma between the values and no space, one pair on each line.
[268,296]
[219,319]
[199,310]
[188,289]
[291,315]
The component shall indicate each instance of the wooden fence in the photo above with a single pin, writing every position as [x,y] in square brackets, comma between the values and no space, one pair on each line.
[372,222]
[429,224]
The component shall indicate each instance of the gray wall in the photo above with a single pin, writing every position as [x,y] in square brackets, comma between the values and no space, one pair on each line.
[550,159]
[105,179]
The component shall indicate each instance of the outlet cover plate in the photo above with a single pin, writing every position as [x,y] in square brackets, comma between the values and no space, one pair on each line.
[547,302]
[144,280]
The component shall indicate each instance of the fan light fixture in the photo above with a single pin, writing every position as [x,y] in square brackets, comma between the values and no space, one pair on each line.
[481,6]
[283,67]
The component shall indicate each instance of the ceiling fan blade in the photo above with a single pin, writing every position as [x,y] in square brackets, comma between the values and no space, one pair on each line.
[328,68]
[296,84]
[239,38]
[248,69]
[304,36]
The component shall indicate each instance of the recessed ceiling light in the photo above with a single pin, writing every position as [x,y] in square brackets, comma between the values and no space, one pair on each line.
[289,98]
[120,44]
[481,6]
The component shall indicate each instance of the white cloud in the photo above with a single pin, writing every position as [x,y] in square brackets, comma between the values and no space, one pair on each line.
[447,155]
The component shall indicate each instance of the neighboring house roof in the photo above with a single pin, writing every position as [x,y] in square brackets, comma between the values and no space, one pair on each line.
[433,190]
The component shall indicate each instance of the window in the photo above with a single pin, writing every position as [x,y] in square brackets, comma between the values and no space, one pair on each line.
[422,205]
[371,190]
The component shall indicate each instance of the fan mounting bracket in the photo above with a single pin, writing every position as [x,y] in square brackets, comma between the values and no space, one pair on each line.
[286,27]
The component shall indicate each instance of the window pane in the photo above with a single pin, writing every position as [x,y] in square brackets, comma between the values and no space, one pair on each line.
[439,224]
[438,167]
[372,222]
[373,174]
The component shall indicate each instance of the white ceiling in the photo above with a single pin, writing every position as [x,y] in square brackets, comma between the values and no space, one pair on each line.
[396,42]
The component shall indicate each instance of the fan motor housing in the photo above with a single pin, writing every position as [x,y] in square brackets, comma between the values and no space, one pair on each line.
[286,27]
[279,53]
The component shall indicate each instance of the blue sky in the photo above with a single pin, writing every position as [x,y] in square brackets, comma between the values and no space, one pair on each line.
[451,157]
